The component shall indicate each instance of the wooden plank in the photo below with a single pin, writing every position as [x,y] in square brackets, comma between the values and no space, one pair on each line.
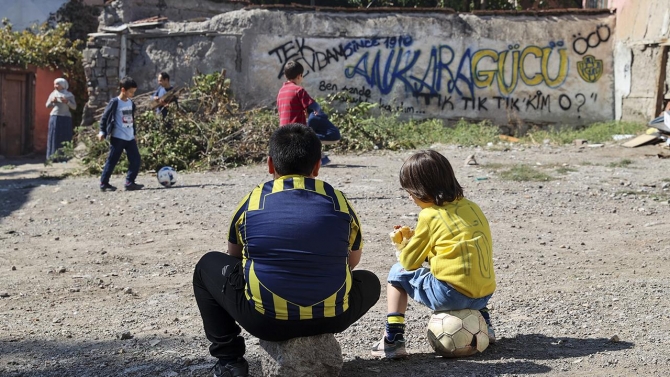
[640,140]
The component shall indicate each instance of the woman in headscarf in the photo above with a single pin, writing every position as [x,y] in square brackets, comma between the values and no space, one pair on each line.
[60,121]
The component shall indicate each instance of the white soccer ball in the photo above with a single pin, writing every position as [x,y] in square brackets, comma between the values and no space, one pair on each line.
[458,333]
[167,176]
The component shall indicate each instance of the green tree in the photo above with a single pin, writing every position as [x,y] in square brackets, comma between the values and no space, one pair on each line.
[83,19]
[46,47]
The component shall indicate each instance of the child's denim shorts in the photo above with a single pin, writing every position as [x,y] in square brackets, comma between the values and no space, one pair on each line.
[423,287]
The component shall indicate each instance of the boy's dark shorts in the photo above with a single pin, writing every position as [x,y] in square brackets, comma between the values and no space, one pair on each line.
[324,128]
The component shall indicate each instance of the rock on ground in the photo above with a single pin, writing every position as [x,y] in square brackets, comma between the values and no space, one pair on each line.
[319,355]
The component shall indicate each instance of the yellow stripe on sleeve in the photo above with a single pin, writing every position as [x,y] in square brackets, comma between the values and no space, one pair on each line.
[238,228]
[342,201]
[255,199]
[241,203]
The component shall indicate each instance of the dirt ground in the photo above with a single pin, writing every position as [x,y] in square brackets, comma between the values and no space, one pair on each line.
[582,264]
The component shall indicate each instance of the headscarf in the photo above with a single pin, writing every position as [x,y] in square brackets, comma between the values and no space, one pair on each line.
[62,82]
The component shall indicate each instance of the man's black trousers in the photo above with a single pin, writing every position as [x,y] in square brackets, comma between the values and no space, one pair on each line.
[218,284]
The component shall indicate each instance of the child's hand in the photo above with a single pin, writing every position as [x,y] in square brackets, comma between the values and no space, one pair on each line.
[101,137]
[400,236]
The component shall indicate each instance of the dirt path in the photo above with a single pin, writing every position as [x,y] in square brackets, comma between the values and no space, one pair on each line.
[582,265]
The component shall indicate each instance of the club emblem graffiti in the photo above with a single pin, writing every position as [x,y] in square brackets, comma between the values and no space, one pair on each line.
[590,69]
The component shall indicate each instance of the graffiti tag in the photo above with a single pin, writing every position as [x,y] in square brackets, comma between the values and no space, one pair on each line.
[483,78]
[582,44]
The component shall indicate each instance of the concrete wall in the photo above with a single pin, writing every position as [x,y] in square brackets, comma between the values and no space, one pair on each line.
[641,55]
[506,68]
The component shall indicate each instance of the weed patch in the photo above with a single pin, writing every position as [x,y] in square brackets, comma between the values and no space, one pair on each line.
[593,133]
[524,173]
[620,164]
[493,166]
[565,170]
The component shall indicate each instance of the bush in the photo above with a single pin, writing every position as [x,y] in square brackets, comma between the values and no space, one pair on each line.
[208,131]
[361,130]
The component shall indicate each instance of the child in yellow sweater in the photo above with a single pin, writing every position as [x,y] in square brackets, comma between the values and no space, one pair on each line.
[453,236]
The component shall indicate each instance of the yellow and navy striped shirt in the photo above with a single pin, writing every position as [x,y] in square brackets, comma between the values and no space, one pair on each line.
[296,234]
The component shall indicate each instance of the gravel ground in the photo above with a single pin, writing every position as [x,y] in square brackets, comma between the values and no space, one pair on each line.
[99,284]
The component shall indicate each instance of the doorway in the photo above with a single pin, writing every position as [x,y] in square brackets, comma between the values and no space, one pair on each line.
[15,108]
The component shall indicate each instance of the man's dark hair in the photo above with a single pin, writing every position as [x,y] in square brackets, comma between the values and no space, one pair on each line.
[428,176]
[293,69]
[164,76]
[127,83]
[294,149]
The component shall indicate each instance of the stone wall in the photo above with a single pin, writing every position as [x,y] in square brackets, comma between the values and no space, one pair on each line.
[551,69]
[101,65]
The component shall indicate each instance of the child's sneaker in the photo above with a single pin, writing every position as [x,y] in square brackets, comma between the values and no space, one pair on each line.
[132,186]
[237,368]
[325,160]
[107,187]
[492,335]
[390,350]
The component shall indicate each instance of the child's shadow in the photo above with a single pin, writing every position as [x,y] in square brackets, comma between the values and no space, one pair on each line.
[521,354]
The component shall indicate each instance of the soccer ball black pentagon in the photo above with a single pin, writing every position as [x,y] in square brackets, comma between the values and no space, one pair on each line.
[167,176]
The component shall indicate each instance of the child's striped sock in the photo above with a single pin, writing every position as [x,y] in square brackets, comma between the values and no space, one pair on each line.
[395,325]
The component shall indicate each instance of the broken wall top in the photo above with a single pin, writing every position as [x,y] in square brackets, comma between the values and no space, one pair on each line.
[118,12]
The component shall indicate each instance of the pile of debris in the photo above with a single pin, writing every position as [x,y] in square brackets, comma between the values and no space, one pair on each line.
[658,132]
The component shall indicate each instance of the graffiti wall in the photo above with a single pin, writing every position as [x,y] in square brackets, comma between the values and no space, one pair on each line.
[553,69]
[535,71]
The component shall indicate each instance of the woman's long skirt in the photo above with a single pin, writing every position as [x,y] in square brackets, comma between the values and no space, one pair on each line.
[60,131]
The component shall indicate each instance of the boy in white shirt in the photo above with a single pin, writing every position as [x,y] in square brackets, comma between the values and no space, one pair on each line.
[118,123]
